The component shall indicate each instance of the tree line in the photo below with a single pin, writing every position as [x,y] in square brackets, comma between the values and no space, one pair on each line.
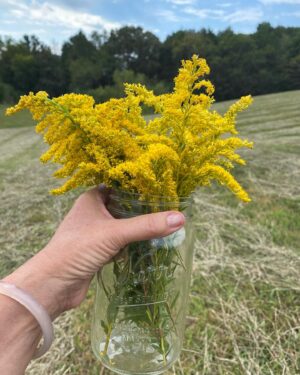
[265,61]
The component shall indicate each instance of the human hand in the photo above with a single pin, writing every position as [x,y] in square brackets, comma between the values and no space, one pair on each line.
[59,275]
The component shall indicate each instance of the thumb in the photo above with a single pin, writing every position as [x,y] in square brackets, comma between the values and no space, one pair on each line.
[146,227]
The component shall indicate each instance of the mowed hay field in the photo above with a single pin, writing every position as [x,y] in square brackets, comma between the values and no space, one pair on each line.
[244,313]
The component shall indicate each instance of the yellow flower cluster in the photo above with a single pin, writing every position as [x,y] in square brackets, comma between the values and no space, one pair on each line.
[186,145]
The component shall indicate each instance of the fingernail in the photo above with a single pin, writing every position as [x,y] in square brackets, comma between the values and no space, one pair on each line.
[174,220]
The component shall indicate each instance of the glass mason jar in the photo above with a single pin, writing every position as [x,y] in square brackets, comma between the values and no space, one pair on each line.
[142,295]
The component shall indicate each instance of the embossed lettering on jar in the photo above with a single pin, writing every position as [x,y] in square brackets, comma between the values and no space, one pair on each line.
[142,295]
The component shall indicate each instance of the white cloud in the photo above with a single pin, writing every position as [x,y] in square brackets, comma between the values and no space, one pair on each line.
[292,2]
[169,15]
[292,14]
[8,34]
[225,5]
[74,3]
[182,2]
[205,13]
[242,15]
[48,14]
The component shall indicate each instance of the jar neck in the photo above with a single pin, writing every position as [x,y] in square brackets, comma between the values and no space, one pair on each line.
[123,204]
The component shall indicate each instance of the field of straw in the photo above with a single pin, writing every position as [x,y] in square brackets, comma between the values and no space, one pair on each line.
[244,314]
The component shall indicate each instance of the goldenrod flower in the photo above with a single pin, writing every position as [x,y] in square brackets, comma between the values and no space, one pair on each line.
[185,146]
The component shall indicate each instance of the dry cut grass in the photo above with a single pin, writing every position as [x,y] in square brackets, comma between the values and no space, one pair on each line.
[244,315]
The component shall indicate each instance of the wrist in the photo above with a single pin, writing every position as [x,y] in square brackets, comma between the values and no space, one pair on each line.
[37,281]
[20,334]
[17,316]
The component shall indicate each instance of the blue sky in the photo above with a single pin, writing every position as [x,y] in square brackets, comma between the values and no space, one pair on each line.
[56,20]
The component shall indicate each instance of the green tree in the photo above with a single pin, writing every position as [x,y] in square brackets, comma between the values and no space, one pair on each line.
[135,49]
[116,90]
[29,65]
[182,45]
[86,62]
[263,62]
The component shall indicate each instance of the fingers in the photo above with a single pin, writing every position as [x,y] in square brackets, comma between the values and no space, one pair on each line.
[104,193]
[146,227]
[91,204]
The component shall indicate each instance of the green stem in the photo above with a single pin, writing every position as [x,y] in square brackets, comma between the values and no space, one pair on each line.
[153,317]
[108,336]
[162,345]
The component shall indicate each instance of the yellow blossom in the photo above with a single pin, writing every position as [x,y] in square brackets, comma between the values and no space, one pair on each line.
[187,145]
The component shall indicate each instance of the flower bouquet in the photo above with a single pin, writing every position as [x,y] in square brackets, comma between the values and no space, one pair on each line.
[150,166]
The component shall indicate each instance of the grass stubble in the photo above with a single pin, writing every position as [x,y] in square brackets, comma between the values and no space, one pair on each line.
[244,315]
